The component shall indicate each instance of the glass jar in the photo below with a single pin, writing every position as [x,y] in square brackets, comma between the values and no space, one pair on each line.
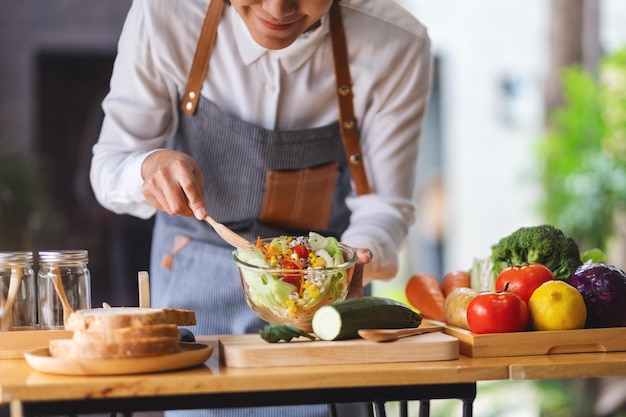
[71,268]
[18,297]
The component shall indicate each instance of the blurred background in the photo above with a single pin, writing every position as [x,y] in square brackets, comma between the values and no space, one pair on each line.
[526,125]
[56,63]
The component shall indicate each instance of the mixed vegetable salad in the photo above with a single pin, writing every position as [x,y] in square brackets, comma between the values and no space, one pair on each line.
[306,271]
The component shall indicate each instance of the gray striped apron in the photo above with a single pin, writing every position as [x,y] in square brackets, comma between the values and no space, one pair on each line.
[234,157]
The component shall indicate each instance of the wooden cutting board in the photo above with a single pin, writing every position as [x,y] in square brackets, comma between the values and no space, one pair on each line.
[250,351]
[611,339]
[13,344]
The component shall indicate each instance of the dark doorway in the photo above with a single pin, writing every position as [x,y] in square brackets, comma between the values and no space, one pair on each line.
[71,86]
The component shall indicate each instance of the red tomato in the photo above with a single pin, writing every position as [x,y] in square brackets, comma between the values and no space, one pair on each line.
[291,278]
[497,312]
[301,251]
[523,280]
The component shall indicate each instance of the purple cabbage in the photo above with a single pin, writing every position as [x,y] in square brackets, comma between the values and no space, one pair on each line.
[603,288]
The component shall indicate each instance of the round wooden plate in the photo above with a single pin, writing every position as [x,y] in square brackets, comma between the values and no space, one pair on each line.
[192,354]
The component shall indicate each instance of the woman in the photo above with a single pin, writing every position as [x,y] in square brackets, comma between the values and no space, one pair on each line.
[231,109]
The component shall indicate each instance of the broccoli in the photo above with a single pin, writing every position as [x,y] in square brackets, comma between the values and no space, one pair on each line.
[544,244]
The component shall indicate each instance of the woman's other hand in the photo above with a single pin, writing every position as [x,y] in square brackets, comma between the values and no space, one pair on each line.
[174,184]
[364,256]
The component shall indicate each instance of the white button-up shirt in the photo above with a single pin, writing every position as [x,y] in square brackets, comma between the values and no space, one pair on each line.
[292,88]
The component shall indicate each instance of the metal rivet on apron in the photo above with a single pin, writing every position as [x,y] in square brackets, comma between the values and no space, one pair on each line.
[192,95]
[344,90]
[355,158]
[348,123]
[189,105]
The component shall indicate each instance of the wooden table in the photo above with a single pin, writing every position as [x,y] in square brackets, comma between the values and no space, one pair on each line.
[567,366]
[214,386]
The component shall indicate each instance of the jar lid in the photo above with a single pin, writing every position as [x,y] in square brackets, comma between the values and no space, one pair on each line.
[63,255]
[17,256]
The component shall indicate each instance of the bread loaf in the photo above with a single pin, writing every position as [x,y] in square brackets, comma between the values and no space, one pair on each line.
[122,332]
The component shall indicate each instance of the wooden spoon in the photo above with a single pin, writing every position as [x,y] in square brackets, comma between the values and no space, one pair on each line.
[144,289]
[57,281]
[229,236]
[6,322]
[389,335]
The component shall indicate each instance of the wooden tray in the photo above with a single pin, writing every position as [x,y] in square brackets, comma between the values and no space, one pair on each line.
[611,339]
[192,354]
[249,351]
[13,344]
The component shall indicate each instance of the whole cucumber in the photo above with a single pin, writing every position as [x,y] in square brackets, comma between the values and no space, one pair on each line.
[343,319]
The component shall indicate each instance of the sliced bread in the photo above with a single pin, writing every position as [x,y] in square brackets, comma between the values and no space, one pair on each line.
[122,317]
[122,332]
[126,333]
[136,348]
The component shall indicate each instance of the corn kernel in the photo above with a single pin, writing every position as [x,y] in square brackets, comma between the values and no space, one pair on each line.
[291,311]
[314,292]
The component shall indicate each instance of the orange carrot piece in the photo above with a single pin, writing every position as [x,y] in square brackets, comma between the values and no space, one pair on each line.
[454,280]
[424,293]
[292,261]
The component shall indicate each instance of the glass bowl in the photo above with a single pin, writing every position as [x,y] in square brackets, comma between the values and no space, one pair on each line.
[278,295]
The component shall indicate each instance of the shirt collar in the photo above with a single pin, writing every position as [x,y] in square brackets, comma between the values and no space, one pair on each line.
[291,57]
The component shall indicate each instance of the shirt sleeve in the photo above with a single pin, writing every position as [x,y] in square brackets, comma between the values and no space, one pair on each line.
[390,130]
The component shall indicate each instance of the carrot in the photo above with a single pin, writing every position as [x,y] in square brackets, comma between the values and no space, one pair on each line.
[454,280]
[424,293]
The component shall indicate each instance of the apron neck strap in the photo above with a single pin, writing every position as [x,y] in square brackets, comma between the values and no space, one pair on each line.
[201,57]
[343,83]
[347,120]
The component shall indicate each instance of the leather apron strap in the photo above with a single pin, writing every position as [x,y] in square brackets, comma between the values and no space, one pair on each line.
[347,120]
[201,57]
[343,82]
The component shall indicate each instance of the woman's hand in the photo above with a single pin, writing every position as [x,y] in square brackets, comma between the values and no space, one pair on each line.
[364,256]
[174,184]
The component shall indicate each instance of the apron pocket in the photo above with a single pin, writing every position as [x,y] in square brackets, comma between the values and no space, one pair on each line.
[300,199]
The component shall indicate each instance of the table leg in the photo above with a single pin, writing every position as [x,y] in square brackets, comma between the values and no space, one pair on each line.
[16,409]
[424,408]
[380,409]
[404,409]
[468,407]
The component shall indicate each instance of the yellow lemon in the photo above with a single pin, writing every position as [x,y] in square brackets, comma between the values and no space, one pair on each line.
[556,305]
